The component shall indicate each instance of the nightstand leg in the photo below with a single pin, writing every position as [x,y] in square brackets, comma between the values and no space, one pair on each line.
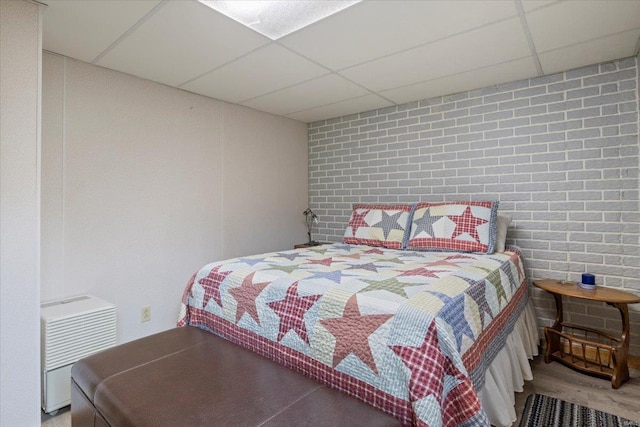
[619,358]
[553,340]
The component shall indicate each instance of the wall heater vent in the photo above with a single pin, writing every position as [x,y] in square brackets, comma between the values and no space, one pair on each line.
[71,329]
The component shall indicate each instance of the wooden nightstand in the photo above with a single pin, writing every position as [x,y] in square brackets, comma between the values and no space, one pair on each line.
[307,245]
[586,349]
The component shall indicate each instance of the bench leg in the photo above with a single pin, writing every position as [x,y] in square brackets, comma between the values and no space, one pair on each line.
[83,413]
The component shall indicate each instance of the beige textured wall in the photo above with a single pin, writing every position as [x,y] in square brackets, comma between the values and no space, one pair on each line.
[143,184]
[265,171]
[20,47]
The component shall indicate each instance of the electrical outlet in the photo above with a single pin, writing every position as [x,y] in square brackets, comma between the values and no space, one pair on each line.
[145,314]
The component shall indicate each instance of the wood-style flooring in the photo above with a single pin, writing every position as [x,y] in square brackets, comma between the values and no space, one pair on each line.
[552,379]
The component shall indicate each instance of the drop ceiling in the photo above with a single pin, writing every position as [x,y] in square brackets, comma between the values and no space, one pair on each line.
[371,55]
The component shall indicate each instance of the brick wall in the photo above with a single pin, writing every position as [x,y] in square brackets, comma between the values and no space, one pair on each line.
[559,152]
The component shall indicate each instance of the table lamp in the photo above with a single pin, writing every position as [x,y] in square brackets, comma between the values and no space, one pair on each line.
[310,218]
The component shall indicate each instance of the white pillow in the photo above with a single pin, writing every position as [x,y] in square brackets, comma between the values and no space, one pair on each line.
[501,232]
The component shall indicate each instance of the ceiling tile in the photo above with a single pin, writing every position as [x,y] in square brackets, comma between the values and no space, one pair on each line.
[342,108]
[182,40]
[314,93]
[256,74]
[84,29]
[529,5]
[600,50]
[476,79]
[372,29]
[569,22]
[490,45]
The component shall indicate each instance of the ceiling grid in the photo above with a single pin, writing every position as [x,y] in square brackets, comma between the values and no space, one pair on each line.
[371,55]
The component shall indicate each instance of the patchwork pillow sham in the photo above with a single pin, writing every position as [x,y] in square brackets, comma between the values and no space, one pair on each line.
[378,225]
[454,226]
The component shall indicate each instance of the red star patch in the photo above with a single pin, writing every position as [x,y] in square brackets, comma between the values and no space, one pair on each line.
[245,295]
[374,251]
[467,223]
[443,263]
[352,332]
[459,256]
[291,311]
[519,266]
[212,283]
[357,221]
[428,366]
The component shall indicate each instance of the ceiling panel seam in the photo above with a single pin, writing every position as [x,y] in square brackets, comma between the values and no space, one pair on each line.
[527,34]
[334,103]
[454,74]
[397,52]
[592,40]
[331,71]
[284,88]
[371,92]
[127,33]
[264,46]
[36,2]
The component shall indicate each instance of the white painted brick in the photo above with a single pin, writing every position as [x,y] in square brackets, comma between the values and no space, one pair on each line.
[521,121]
[564,86]
[629,129]
[546,79]
[583,93]
[549,137]
[510,105]
[500,115]
[506,87]
[532,148]
[610,99]
[581,72]
[531,130]
[530,111]
[547,99]
[584,112]
[505,137]
[470,120]
[547,118]
[564,105]
[560,152]
[483,109]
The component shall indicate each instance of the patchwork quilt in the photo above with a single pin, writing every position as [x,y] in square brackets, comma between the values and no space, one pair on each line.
[409,332]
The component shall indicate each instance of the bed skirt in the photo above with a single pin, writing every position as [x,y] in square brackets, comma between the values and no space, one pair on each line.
[509,369]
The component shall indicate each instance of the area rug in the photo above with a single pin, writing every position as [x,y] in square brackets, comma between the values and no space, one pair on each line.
[545,411]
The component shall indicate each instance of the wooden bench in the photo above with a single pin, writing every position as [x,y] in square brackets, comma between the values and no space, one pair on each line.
[189,377]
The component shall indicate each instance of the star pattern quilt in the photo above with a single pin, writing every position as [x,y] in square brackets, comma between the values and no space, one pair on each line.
[409,332]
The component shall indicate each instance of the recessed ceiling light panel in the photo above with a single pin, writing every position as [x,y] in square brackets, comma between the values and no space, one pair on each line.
[276,19]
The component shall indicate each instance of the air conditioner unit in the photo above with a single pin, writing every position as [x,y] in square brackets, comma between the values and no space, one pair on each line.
[71,329]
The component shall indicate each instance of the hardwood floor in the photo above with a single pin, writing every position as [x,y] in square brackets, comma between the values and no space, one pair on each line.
[559,381]
[552,379]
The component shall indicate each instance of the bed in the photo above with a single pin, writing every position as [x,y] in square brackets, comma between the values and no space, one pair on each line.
[429,335]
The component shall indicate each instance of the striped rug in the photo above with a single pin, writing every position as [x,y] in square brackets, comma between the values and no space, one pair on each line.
[545,411]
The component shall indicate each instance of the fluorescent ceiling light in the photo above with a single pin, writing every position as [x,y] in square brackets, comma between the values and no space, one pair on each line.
[276,19]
